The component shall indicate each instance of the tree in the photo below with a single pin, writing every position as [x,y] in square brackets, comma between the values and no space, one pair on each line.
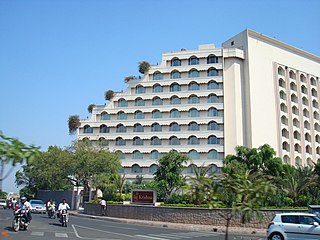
[200,184]
[129,78]
[87,161]
[144,67]
[108,95]
[168,176]
[13,151]
[119,181]
[48,171]
[73,123]
[90,107]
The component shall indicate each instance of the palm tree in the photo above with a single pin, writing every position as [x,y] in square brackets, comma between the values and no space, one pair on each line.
[108,95]
[73,123]
[200,183]
[119,181]
[90,107]
[144,67]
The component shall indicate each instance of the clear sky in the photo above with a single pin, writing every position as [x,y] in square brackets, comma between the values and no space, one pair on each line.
[59,56]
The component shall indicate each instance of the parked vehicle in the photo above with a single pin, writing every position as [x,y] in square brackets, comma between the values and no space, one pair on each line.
[19,221]
[3,203]
[64,217]
[37,206]
[294,226]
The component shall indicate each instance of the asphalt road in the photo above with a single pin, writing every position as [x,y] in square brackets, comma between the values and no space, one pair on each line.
[42,227]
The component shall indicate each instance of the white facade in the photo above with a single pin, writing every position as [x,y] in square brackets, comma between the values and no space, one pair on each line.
[205,102]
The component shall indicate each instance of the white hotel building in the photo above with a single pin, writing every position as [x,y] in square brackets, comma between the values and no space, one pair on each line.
[252,91]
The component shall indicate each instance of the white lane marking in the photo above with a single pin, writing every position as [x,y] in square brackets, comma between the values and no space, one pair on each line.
[170,236]
[127,228]
[78,236]
[148,237]
[61,235]
[37,234]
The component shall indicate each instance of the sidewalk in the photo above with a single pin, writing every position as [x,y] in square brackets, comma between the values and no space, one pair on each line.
[180,226]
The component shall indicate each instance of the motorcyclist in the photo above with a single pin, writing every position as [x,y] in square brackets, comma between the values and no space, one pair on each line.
[51,206]
[25,205]
[63,206]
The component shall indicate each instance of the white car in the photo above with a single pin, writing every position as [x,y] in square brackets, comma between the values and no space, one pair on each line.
[37,206]
[3,203]
[294,226]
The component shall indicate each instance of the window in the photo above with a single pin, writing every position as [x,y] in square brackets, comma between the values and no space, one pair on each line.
[305,113]
[193,61]
[121,115]
[317,127]
[286,146]
[137,155]
[153,168]
[139,102]
[305,101]
[174,127]
[193,99]
[122,103]
[175,87]
[306,125]
[175,62]
[193,73]
[303,78]
[297,135]
[104,129]
[316,115]
[213,112]
[87,129]
[156,114]
[292,75]
[212,72]
[120,141]
[285,133]
[175,100]
[286,159]
[315,104]
[297,148]
[155,141]
[290,219]
[212,154]
[138,115]
[174,141]
[212,98]
[304,89]
[293,86]
[140,89]
[174,113]
[296,123]
[175,74]
[157,76]
[104,116]
[120,154]
[155,155]
[121,128]
[193,140]
[282,83]
[136,169]
[283,95]
[213,140]
[191,168]
[212,168]
[295,110]
[156,127]
[137,141]
[307,137]
[193,86]
[280,71]
[193,113]
[214,85]
[212,59]
[284,120]
[157,101]
[213,126]
[283,107]
[103,142]
[308,149]
[314,93]
[194,155]
[294,98]
[138,128]
[193,126]
[313,82]
[157,88]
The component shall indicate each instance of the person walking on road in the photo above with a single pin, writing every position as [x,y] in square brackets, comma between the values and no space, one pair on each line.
[103,204]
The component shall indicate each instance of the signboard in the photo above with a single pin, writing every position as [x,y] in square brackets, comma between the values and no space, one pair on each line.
[143,196]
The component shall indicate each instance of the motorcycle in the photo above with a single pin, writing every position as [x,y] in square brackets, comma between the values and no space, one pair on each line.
[64,217]
[51,212]
[20,220]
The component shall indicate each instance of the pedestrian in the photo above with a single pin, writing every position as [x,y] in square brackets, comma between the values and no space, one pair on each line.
[103,204]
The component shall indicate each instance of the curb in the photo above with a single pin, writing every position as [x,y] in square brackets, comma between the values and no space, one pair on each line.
[179,226]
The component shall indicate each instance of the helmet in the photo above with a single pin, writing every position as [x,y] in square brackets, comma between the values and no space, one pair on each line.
[23,199]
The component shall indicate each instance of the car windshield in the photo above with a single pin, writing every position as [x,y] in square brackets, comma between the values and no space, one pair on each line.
[36,202]
[317,219]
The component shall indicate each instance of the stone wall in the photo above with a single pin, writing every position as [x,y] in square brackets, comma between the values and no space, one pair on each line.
[202,216]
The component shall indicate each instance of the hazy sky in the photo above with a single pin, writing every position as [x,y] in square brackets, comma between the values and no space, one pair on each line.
[59,56]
